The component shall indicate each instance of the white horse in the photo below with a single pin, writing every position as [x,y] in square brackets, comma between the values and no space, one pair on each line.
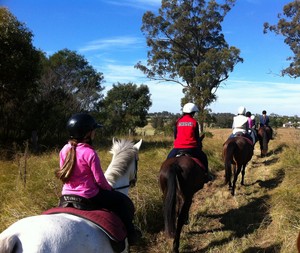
[65,233]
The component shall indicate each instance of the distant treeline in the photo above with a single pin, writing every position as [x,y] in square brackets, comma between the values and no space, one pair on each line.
[166,120]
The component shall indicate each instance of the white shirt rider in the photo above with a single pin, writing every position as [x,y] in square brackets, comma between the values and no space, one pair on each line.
[240,122]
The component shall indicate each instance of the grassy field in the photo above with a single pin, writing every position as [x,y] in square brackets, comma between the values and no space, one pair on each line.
[264,216]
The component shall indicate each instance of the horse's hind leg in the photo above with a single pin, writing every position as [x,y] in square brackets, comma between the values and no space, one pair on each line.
[228,174]
[243,174]
[182,219]
[235,176]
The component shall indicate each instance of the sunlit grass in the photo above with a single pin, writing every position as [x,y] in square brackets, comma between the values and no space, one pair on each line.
[264,216]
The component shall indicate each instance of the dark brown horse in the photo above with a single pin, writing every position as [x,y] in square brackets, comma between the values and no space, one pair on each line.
[237,151]
[180,178]
[264,135]
[298,243]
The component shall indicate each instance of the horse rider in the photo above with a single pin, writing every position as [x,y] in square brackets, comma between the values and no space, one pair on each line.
[251,125]
[187,137]
[240,125]
[82,175]
[264,121]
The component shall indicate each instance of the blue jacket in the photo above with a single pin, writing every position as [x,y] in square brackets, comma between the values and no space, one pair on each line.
[264,121]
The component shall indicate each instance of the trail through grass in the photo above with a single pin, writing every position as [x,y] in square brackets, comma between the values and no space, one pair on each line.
[264,216]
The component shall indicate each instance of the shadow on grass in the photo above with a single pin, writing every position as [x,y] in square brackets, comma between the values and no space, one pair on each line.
[273,182]
[151,219]
[271,161]
[241,222]
[279,149]
[275,151]
[272,249]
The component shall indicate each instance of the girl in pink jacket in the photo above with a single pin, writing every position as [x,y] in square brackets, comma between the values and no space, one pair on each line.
[82,175]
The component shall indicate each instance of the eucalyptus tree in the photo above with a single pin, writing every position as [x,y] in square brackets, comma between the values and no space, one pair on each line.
[69,84]
[289,26]
[20,68]
[187,46]
[126,107]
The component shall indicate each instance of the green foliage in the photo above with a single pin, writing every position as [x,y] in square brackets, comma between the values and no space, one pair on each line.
[187,46]
[289,26]
[164,121]
[125,108]
[223,120]
[70,72]
[39,93]
[68,85]
[19,71]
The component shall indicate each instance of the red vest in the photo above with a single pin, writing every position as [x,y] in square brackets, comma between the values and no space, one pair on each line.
[186,127]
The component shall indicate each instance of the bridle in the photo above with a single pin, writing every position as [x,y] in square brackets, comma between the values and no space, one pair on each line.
[132,182]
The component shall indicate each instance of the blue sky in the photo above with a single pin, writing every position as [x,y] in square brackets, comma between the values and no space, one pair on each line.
[107,33]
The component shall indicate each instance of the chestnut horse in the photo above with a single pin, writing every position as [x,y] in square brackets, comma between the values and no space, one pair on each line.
[180,178]
[237,151]
[264,136]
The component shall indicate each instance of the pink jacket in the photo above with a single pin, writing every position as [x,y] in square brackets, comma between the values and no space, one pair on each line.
[87,176]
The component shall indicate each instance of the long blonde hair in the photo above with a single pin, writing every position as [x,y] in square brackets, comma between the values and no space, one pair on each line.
[65,171]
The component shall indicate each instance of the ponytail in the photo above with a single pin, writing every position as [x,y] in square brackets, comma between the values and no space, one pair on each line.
[65,171]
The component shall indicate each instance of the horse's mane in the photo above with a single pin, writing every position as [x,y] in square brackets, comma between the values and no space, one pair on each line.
[123,152]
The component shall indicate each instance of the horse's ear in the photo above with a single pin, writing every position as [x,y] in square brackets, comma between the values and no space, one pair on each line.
[138,144]
[113,140]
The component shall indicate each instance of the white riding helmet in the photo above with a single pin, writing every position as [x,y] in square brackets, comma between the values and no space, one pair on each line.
[242,110]
[189,108]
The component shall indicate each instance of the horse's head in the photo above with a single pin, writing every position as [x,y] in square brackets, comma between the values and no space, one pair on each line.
[134,165]
[122,171]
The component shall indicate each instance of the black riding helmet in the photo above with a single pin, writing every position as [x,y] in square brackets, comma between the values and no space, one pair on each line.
[80,124]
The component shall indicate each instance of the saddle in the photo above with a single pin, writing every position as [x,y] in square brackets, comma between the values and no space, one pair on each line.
[186,153]
[75,201]
[241,134]
[107,221]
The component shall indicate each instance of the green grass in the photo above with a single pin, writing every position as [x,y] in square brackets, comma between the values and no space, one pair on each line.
[264,216]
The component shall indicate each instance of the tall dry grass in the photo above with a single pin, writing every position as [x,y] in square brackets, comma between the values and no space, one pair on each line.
[264,215]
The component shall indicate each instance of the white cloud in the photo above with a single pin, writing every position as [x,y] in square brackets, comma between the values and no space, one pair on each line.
[275,97]
[138,4]
[279,98]
[126,42]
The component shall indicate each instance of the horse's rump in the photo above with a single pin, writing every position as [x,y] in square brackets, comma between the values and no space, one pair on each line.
[237,151]
[196,159]
[189,170]
[264,136]
[106,220]
[180,178]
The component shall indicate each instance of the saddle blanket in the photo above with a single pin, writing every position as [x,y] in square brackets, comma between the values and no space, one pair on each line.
[249,141]
[199,163]
[106,220]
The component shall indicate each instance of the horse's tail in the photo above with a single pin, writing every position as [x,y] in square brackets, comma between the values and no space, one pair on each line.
[265,139]
[228,157]
[8,243]
[170,201]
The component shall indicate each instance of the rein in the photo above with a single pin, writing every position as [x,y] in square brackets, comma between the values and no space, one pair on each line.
[122,187]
